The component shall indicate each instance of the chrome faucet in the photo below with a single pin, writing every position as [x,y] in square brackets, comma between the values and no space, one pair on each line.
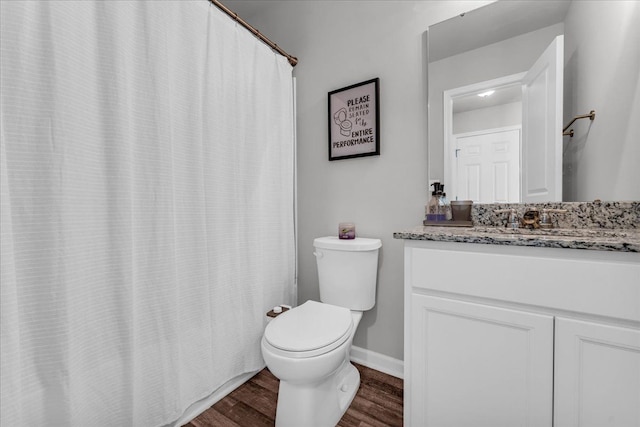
[513,221]
[532,218]
[545,218]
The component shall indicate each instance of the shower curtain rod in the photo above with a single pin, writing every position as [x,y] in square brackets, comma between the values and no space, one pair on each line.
[292,59]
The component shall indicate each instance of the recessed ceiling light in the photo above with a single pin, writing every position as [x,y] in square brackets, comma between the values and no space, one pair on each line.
[485,94]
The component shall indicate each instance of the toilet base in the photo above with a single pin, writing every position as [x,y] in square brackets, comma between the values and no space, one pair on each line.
[319,404]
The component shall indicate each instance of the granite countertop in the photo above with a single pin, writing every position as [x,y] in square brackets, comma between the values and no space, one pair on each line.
[603,226]
[622,240]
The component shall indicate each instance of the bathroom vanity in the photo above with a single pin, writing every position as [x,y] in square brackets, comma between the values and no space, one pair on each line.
[518,328]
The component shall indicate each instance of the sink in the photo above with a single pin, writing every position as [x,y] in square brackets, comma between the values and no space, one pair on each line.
[557,232]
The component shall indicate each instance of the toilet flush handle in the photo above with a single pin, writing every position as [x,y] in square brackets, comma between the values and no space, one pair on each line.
[318,254]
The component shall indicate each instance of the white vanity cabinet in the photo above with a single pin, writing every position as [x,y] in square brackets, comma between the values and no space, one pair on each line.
[475,362]
[520,336]
[597,381]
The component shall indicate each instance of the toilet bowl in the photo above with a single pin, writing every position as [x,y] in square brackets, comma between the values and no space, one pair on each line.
[307,348]
[317,380]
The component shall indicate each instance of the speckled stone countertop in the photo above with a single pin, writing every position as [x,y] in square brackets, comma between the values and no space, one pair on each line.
[604,226]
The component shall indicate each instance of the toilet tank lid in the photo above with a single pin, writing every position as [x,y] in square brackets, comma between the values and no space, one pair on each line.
[357,244]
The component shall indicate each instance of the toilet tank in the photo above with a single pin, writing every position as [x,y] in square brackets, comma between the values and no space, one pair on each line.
[347,271]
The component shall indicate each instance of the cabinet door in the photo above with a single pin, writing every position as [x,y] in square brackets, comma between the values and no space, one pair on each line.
[477,365]
[597,375]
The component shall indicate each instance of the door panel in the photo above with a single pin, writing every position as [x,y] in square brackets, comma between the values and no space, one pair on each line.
[487,166]
[542,126]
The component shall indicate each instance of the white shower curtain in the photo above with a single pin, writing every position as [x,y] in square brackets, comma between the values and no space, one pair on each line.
[147,163]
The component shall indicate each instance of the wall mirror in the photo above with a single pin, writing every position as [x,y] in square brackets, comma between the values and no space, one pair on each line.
[482,139]
[498,147]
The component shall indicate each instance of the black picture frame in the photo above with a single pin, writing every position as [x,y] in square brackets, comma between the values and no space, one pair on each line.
[354,121]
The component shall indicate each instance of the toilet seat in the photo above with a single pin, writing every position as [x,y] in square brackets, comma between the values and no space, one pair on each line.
[309,330]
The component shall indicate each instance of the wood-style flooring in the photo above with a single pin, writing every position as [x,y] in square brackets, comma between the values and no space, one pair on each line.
[378,403]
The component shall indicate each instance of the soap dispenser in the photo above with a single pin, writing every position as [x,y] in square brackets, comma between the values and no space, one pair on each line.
[432,209]
[444,206]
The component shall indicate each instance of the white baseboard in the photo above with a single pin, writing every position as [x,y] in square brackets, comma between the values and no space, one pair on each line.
[203,404]
[377,361]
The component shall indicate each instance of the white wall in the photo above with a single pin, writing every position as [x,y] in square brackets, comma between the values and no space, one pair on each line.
[602,73]
[340,43]
[488,118]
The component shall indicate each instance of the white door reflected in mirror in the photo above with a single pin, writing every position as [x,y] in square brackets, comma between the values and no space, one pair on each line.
[542,126]
[486,166]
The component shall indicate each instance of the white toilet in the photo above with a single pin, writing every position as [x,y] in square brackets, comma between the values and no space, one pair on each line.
[308,347]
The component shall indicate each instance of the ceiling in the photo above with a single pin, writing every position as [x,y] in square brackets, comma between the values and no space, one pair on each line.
[504,95]
[516,17]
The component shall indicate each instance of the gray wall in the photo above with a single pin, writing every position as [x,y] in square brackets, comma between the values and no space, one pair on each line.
[602,73]
[340,43]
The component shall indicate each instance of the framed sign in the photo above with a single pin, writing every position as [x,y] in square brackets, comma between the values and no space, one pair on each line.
[354,118]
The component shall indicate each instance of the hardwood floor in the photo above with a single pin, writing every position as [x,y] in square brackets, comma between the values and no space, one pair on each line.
[378,403]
